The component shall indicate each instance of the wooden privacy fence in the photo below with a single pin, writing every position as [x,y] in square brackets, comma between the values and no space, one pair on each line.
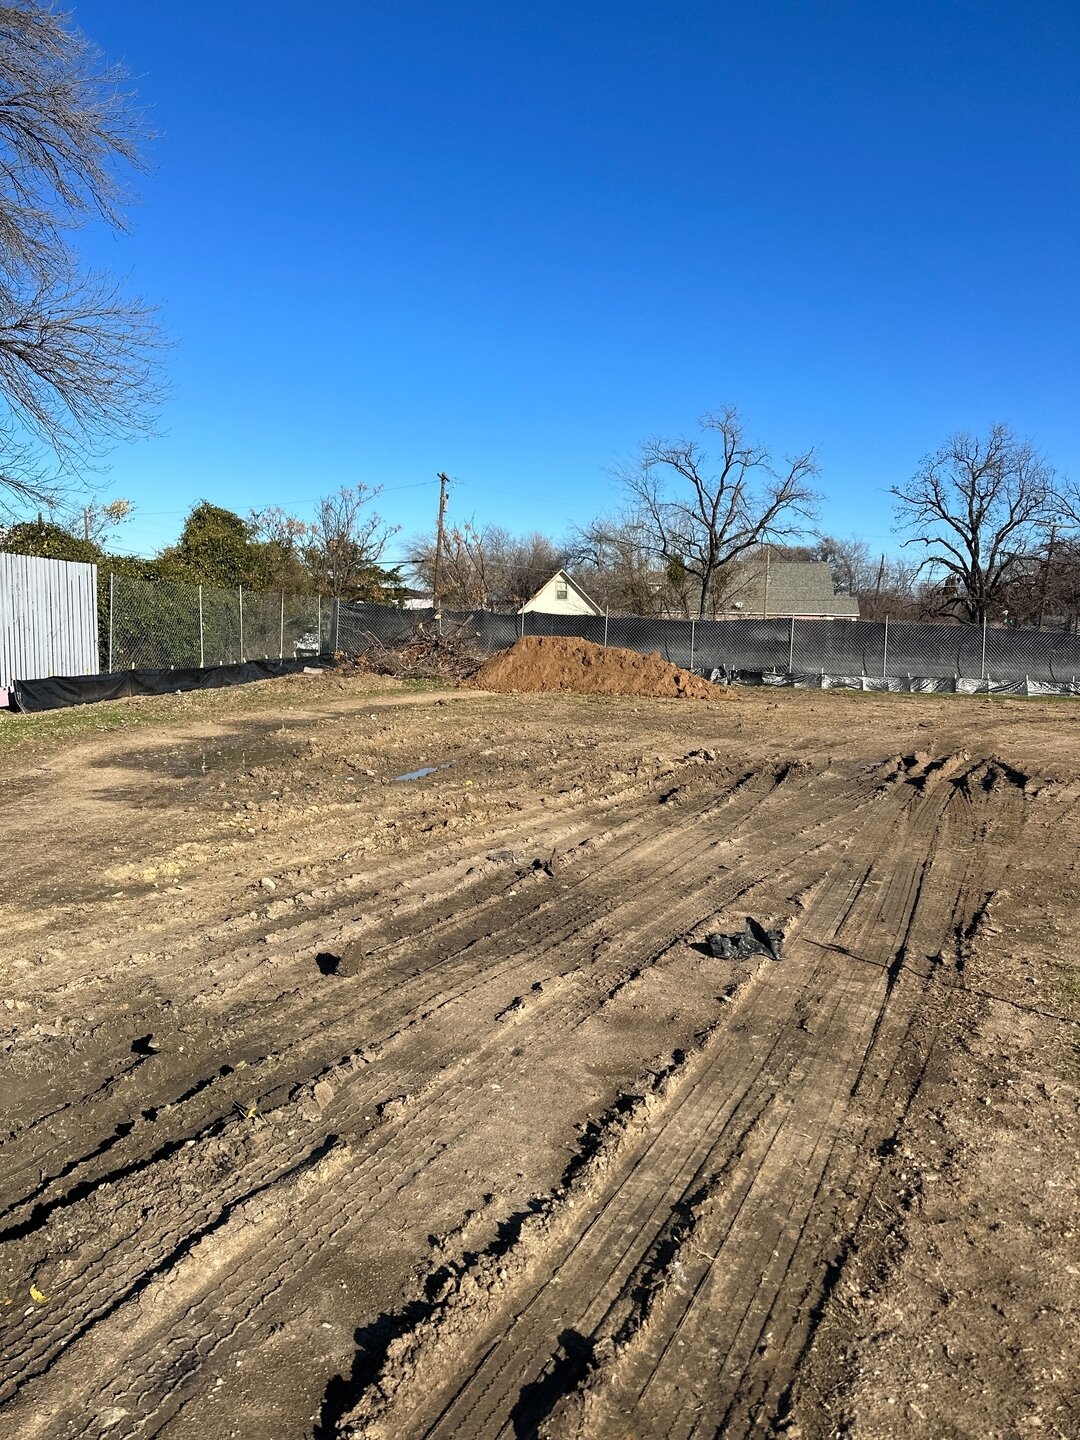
[48,619]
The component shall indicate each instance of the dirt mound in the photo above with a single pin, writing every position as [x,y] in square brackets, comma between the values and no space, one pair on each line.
[558,663]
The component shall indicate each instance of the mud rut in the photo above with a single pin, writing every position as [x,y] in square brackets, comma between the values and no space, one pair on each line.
[702,1129]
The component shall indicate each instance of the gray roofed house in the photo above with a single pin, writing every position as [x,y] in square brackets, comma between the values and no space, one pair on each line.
[802,588]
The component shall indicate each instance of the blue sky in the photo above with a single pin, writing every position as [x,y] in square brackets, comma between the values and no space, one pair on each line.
[509,240]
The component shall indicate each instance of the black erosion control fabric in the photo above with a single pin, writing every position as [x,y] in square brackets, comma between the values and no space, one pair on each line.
[58,691]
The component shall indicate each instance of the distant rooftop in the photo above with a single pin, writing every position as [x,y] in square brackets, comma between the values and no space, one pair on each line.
[789,587]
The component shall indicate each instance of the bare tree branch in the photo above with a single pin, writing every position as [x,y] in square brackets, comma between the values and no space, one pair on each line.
[346,542]
[487,568]
[700,516]
[978,506]
[77,358]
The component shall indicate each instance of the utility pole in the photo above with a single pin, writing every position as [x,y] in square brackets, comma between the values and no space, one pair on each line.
[444,481]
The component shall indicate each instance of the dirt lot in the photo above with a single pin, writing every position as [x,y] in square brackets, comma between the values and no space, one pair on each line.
[340,1105]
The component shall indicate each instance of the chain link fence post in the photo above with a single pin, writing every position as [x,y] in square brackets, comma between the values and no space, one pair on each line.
[152,624]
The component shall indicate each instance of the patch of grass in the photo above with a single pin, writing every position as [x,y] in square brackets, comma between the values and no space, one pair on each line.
[19,730]
[51,729]
[426,685]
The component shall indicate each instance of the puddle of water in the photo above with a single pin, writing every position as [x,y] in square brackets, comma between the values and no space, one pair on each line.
[427,770]
[226,758]
[260,748]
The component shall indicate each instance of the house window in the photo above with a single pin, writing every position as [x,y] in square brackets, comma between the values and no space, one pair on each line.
[560,592]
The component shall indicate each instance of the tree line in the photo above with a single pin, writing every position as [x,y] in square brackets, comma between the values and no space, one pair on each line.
[338,554]
[986,530]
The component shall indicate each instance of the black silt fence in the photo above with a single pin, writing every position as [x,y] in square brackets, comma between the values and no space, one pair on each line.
[763,645]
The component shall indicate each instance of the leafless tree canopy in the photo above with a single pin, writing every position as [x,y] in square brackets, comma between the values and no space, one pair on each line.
[487,568]
[77,367]
[701,511]
[886,586]
[346,542]
[978,507]
[613,560]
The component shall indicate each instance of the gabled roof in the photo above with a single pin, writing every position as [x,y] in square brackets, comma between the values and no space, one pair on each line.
[564,578]
[790,587]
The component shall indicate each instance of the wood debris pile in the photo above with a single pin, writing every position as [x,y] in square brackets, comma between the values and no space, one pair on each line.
[455,654]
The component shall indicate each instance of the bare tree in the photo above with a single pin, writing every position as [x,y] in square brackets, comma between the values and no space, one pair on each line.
[487,568]
[77,366]
[978,506]
[346,543]
[273,525]
[519,564]
[850,563]
[700,517]
[464,582]
[614,562]
[281,539]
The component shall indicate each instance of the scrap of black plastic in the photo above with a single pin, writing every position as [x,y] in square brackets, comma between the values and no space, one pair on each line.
[754,940]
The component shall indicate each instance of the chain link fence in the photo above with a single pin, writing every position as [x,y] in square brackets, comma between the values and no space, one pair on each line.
[157,625]
[856,654]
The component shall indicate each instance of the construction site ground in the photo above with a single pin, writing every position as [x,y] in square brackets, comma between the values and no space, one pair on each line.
[340,1104]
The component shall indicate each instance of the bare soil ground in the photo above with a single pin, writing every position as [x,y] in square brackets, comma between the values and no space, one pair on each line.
[336,1104]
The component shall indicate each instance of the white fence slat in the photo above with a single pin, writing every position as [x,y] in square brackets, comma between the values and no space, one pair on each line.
[48,618]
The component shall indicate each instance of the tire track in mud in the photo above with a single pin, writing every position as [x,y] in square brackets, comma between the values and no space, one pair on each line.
[474,932]
[532,1364]
[322,889]
[565,930]
[637,1206]
[665,840]
[445,886]
[476,1115]
[411,1139]
[463,933]
[930,911]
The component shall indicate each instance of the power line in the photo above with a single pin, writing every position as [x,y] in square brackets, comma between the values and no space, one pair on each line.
[302,500]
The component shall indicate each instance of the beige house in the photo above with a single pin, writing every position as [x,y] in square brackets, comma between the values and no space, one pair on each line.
[561,595]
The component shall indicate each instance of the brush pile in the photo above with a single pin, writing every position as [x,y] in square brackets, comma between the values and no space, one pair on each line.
[424,654]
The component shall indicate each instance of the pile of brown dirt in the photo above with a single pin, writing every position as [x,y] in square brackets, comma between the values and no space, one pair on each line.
[559,663]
